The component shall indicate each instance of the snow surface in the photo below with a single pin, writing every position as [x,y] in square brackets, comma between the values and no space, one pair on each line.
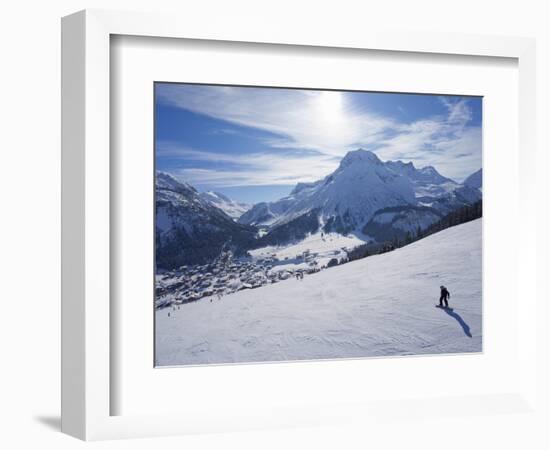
[382,305]
[321,246]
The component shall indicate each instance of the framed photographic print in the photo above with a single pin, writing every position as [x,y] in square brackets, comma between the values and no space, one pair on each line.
[270,229]
[296,224]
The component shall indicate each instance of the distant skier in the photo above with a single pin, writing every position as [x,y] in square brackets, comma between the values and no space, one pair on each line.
[445,296]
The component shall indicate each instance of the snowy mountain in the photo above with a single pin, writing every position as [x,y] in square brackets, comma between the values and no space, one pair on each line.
[232,208]
[344,200]
[475,180]
[190,229]
[264,213]
[364,190]
[378,306]
[427,181]
[166,182]
[375,200]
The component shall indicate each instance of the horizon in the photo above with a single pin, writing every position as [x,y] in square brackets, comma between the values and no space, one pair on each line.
[179,179]
[255,144]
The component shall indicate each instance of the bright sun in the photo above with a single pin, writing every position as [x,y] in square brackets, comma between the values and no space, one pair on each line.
[330,105]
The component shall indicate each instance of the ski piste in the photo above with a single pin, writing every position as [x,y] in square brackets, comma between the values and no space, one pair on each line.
[376,306]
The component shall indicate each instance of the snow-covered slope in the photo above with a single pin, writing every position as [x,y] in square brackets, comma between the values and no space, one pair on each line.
[266,213]
[427,181]
[231,207]
[379,306]
[321,246]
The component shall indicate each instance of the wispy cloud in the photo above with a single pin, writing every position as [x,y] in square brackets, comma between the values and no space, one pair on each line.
[445,142]
[319,120]
[254,169]
[328,124]
[229,131]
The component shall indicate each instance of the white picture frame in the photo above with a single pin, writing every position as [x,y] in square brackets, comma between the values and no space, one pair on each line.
[87,320]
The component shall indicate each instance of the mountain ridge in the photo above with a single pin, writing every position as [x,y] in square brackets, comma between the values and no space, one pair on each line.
[475,180]
[378,199]
[363,184]
[231,207]
[190,229]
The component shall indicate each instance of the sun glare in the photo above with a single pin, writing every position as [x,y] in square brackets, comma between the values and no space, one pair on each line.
[330,105]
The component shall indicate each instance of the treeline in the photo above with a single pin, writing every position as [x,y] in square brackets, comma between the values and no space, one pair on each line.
[456,217]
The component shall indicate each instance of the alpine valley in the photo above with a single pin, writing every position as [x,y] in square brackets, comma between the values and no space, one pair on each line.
[346,266]
[364,201]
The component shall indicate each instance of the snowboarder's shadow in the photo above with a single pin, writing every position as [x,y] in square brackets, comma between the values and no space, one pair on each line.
[460,320]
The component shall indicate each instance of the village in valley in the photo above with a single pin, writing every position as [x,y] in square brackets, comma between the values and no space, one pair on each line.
[228,274]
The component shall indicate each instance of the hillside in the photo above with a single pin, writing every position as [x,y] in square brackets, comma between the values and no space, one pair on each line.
[475,180]
[378,306]
[190,229]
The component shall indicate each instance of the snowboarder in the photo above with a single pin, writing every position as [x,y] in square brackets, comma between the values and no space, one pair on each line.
[445,295]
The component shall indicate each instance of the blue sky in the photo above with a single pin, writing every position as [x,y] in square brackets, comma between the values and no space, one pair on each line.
[255,144]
